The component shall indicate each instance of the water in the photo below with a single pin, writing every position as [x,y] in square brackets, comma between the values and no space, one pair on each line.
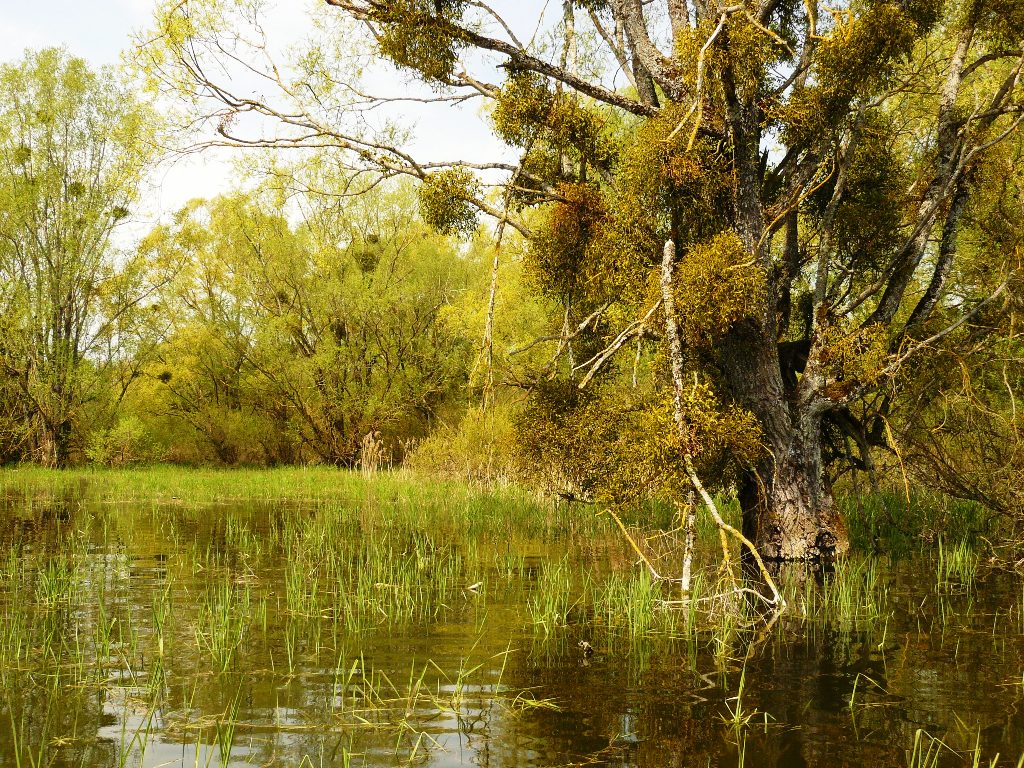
[184,634]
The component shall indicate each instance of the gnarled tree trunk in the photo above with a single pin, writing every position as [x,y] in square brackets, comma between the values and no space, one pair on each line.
[788,511]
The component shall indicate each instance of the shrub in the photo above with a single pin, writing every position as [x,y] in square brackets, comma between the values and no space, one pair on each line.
[480,448]
[127,442]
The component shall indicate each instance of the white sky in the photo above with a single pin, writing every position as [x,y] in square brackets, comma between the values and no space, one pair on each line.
[99,30]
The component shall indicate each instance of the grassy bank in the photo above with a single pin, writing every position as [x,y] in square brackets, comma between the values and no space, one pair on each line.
[900,521]
[314,484]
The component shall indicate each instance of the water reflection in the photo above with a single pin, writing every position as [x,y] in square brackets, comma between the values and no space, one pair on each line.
[176,636]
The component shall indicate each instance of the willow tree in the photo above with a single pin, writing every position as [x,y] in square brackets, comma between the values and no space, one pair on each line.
[293,339]
[74,145]
[768,195]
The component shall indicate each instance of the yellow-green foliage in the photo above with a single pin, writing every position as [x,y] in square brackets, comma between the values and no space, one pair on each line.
[659,173]
[868,223]
[418,34]
[522,106]
[855,358]
[858,54]
[444,202]
[527,109]
[619,444]
[717,283]
[1003,22]
[480,448]
[558,257]
[604,244]
[745,48]
[718,433]
[599,243]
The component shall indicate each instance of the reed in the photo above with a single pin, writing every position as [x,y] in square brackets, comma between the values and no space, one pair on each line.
[155,590]
[956,566]
[552,598]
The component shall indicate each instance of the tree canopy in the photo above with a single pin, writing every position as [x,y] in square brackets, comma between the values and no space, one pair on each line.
[74,145]
[293,338]
[824,176]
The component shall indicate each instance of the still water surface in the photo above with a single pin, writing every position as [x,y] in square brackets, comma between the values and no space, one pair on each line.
[160,635]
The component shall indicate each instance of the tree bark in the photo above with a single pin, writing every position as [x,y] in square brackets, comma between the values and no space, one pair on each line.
[62,445]
[788,510]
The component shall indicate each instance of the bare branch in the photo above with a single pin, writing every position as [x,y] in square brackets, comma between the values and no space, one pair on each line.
[516,56]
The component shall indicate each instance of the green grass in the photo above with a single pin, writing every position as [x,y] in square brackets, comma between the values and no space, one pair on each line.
[317,485]
[283,575]
[891,522]
[851,597]
[956,565]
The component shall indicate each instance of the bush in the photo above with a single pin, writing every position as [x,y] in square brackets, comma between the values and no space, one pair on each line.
[127,442]
[480,448]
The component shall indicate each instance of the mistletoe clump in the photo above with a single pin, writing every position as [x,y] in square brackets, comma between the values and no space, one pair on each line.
[616,444]
[528,112]
[717,285]
[421,35]
[444,201]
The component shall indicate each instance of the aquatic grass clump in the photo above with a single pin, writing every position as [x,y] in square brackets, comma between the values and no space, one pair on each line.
[928,751]
[852,596]
[509,565]
[223,621]
[632,602]
[360,570]
[57,582]
[302,585]
[956,566]
[551,601]
[897,521]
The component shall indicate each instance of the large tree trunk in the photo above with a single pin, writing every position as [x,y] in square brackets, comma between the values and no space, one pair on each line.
[62,445]
[53,444]
[788,511]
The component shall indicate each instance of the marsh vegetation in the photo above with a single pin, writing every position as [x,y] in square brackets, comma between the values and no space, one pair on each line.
[321,617]
[675,424]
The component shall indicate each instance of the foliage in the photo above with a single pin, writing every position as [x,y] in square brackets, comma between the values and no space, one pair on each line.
[127,442]
[528,114]
[73,146]
[481,447]
[716,286]
[619,445]
[959,422]
[295,342]
[558,254]
[416,34]
[444,202]
[853,59]
[855,358]
[597,245]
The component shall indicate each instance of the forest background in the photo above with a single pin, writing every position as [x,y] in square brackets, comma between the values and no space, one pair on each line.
[323,313]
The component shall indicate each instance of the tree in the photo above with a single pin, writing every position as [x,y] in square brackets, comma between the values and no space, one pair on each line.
[72,152]
[958,418]
[791,177]
[295,337]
